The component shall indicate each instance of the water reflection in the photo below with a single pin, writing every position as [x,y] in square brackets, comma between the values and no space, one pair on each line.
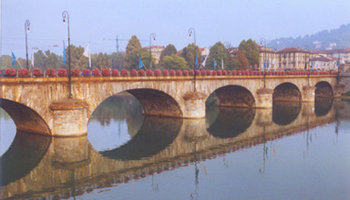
[36,166]
[24,154]
[323,106]
[230,122]
[285,112]
[154,135]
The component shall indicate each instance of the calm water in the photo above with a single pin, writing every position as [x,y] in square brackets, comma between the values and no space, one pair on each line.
[294,151]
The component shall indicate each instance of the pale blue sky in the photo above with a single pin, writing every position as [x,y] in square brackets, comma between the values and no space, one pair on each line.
[213,20]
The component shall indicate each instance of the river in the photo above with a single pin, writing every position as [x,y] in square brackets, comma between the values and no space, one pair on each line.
[293,151]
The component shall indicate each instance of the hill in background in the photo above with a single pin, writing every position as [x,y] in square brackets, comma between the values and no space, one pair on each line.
[323,40]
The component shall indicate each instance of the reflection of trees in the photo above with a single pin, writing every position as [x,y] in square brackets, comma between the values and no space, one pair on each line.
[155,135]
[230,122]
[24,154]
[119,107]
[323,106]
[285,112]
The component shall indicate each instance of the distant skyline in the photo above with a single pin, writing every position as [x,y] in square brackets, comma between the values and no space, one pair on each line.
[213,20]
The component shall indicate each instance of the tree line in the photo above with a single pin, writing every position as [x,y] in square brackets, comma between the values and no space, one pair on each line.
[247,54]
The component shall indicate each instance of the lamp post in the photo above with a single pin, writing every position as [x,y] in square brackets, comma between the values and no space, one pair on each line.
[66,15]
[26,29]
[262,40]
[152,36]
[190,31]
[307,48]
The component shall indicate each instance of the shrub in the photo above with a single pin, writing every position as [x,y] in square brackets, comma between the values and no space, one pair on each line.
[178,72]
[191,72]
[106,72]
[157,72]
[23,73]
[172,72]
[62,72]
[50,72]
[141,72]
[185,72]
[115,72]
[133,72]
[124,72]
[165,72]
[75,72]
[149,72]
[86,72]
[37,72]
[96,72]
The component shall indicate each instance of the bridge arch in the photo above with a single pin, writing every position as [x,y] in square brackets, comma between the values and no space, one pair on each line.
[287,92]
[25,118]
[323,89]
[235,96]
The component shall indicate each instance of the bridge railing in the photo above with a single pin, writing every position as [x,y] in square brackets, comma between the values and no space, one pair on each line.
[124,72]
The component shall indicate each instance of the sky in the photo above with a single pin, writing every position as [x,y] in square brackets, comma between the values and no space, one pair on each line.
[98,22]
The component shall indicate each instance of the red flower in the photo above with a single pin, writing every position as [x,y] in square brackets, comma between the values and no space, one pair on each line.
[96,72]
[191,72]
[37,72]
[133,72]
[172,72]
[157,72]
[224,72]
[61,72]
[234,72]
[214,73]
[115,72]
[203,72]
[178,72]
[106,72]
[75,72]
[141,72]
[185,72]
[86,72]
[23,73]
[124,72]
[149,72]
[50,72]
[165,72]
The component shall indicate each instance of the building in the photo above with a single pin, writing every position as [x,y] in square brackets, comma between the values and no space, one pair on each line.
[155,51]
[269,57]
[323,63]
[293,58]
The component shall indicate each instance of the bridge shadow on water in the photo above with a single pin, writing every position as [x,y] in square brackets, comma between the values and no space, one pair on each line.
[284,113]
[323,106]
[155,135]
[230,122]
[24,154]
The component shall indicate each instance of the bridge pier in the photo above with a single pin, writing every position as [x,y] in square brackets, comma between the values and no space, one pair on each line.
[69,118]
[264,98]
[194,105]
[339,89]
[308,93]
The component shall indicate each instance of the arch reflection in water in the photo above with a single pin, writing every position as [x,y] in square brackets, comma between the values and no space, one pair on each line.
[285,112]
[230,122]
[154,135]
[24,154]
[323,106]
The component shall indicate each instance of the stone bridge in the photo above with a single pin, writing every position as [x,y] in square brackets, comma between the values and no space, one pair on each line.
[57,166]
[42,105]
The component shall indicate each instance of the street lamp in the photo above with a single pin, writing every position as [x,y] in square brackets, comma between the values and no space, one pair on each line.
[190,31]
[152,36]
[66,15]
[26,29]
[307,48]
[262,40]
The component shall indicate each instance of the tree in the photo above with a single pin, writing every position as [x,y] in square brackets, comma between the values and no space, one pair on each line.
[77,60]
[231,62]
[46,60]
[244,63]
[217,53]
[118,60]
[250,50]
[174,62]
[101,60]
[168,51]
[132,50]
[5,62]
[189,53]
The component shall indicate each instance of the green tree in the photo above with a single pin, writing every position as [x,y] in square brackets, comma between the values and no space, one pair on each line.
[101,60]
[244,63]
[250,50]
[232,63]
[174,62]
[46,60]
[168,51]
[132,50]
[189,53]
[134,60]
[118,60]
[218,53]
[77,60]
[5,62]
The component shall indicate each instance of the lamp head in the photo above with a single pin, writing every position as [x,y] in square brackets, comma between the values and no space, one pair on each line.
[28,29]
[64,20]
